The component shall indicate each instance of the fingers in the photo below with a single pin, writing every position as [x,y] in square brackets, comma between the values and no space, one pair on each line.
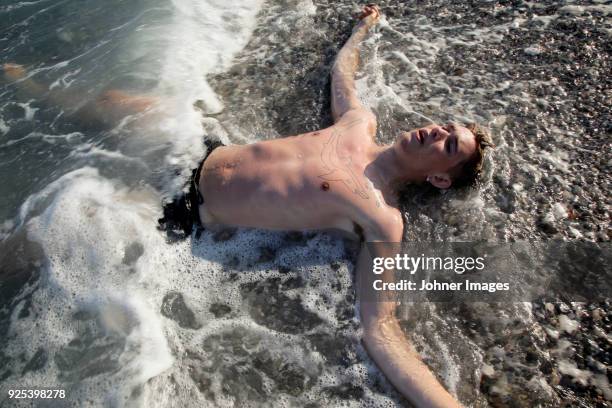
[369,10]
[373,7]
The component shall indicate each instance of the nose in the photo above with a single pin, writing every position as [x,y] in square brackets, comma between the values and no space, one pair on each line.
[439,133]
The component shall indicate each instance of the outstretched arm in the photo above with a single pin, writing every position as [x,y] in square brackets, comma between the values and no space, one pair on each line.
[344,96]
[386,343]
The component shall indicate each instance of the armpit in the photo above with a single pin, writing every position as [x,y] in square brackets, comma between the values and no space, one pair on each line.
[359,231]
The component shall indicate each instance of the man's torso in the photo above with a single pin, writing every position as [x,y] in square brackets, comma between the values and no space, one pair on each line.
[315,180]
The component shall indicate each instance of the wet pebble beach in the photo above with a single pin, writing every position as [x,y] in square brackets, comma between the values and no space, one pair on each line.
[96,300]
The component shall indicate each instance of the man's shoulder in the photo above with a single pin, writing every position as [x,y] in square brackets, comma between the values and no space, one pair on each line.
[356,119]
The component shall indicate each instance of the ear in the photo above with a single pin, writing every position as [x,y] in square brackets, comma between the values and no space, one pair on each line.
[440,180]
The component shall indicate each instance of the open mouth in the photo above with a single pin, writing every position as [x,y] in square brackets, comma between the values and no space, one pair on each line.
[420,135]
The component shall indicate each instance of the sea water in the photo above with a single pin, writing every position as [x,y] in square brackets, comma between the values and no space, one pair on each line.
[94,299]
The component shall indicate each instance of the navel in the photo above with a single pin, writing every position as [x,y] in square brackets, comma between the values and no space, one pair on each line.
[325,186]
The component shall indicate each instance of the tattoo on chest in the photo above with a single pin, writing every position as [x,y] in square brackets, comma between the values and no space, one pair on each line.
[375,193]
[339,167]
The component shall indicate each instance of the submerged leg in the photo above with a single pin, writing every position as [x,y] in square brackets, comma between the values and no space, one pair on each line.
[17,73]
[120,101]
[108,107]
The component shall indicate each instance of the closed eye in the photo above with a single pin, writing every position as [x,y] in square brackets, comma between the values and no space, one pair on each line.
[451,145]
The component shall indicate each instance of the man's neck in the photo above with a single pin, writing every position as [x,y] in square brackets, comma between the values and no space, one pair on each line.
[390,171]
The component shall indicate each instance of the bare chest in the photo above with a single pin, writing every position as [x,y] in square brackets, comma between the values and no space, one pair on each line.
[299,183]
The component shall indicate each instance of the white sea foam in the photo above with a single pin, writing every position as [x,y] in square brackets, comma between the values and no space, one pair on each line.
[86,223]
[4,128]
[51,139]
[203,38]
[84,228]
[86,232]
[66,80]
[28,111]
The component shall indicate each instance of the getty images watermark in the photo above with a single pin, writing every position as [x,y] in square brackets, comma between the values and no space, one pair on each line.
[412,264]
[480,271]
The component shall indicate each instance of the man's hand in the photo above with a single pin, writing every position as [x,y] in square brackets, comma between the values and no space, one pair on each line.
[370,15]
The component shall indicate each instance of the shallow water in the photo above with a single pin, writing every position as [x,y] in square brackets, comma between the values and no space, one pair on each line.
[94,299]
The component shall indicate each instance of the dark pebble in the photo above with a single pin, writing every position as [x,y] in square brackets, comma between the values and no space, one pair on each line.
[173,307]
[132,253]
[219,309]
[345,392]
[37,362]
[546,226]
[546,367]
[531,357]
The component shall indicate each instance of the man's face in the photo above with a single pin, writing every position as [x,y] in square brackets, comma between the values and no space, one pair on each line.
[435,149]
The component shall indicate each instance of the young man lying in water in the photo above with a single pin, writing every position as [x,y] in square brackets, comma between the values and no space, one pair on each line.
[339,178]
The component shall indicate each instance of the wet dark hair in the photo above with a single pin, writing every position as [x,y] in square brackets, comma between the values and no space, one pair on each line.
[468,172]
